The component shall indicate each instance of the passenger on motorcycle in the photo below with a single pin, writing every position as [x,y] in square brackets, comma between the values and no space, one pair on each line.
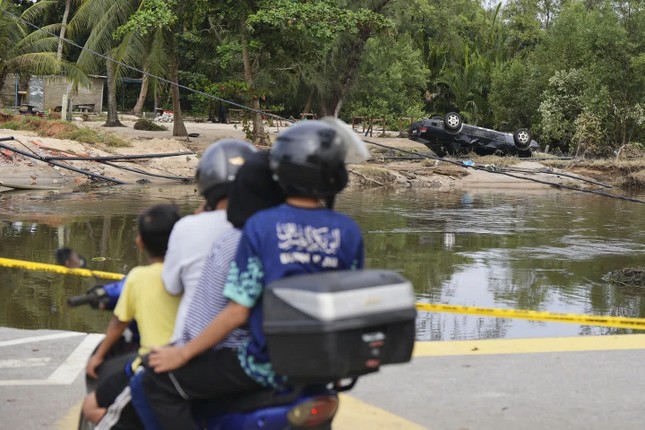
[253,190]
[143,298]
[189,244]
[301,236]
[192,237]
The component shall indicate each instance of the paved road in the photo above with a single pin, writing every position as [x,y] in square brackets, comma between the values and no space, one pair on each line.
[558,383]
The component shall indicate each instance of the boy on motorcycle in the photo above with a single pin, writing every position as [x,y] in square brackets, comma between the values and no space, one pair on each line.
[143,298]
[189,244]
[301,236]
[253,190]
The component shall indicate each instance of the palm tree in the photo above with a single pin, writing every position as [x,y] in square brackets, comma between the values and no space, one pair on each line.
[30,53]
[132,49]
[101,18]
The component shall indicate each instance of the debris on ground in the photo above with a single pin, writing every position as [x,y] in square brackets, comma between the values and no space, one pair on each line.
[631,278]
[147,125]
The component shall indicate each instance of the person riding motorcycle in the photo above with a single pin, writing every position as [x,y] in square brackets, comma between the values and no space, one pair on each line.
[192,237]
[308,161]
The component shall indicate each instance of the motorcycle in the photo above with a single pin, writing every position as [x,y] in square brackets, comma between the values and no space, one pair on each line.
[378,330]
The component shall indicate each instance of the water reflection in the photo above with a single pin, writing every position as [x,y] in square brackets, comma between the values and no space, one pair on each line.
[541,251]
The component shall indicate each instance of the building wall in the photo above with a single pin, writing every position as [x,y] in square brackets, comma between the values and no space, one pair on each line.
[48,91]
[56,86]
[8,92]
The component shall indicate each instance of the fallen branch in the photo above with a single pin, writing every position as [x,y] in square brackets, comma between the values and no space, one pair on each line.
[365,177]
[54,163]
[118,157]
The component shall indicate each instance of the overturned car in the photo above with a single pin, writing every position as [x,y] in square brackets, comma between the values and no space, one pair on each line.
[450,136]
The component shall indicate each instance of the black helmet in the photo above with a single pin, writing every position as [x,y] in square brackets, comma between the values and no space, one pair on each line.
[308,159]
[220,162]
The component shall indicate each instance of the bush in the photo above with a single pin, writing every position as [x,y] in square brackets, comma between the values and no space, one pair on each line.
[147,125]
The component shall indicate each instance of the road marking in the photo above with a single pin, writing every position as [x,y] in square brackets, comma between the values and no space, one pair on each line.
[354,414]
[54,336]
[527,346]
[70,419]
[67,372]
[24,362]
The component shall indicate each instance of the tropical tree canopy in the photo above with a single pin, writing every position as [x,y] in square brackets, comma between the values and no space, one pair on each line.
[571,71]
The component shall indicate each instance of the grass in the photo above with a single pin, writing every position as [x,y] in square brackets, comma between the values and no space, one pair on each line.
[625,173]
[59,130]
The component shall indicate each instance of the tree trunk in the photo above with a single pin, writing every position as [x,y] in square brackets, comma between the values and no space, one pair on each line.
[138,107]
[353,61]
[63,29]
[260,136]
[112,114]
[178,127]
[3,77]
[309,102]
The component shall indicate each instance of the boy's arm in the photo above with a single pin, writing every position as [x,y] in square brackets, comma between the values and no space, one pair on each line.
[168,358]
[114,331]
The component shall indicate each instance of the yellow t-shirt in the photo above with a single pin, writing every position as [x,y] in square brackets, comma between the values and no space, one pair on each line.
[144,299]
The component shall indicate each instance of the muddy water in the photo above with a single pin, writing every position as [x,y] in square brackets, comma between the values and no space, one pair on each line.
[545,251]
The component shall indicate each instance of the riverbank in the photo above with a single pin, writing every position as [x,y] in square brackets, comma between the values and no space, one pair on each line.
[396,161]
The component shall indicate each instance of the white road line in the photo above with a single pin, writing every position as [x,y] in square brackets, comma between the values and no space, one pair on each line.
[23,362]
[39,338]
[66,372]
[69,370]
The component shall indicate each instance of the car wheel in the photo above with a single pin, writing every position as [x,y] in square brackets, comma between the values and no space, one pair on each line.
[522,138]
[452,121]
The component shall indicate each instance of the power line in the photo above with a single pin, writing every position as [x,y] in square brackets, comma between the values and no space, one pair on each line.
[502,172]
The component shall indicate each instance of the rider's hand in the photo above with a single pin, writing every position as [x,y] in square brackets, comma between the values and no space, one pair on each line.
[167,358]
[94,362]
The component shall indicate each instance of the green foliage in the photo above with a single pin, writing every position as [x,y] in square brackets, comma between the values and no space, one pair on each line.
[392,80]
[573,71]
[589,136]
[568,95]
[150,15]
[515,95]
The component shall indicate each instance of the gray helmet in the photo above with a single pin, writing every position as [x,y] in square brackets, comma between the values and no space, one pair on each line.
[308,159]
[220,162]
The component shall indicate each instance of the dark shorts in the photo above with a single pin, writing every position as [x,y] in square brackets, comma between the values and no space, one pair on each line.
[112,378]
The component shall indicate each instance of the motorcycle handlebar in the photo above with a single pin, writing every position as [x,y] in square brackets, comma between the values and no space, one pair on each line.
[85,299]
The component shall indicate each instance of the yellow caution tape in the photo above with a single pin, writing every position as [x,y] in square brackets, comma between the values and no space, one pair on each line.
[597,320]
[30,265]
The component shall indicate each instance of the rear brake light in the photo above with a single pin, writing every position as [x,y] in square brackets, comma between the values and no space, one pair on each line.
[424,129]
[314,412]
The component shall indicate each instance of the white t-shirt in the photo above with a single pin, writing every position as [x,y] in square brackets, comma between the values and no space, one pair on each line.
[190,241]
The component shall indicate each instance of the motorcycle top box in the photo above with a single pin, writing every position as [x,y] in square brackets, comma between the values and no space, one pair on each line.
[342,324]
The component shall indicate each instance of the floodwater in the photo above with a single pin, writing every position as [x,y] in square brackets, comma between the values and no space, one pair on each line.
[543,251]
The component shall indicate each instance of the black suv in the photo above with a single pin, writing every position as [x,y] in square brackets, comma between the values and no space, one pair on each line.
[450,136]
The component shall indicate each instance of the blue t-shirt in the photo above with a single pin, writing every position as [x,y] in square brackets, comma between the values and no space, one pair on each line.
[280,242]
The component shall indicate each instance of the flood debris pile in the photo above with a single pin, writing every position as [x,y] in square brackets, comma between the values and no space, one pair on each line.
[147,125]
[632,278]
